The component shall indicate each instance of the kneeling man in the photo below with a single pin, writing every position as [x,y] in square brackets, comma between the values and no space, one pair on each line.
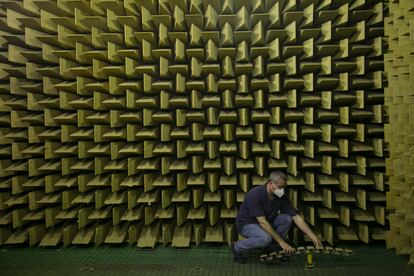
[265,216]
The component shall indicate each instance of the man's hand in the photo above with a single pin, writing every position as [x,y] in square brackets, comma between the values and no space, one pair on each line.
[300,222]
[287,248]
[317,243]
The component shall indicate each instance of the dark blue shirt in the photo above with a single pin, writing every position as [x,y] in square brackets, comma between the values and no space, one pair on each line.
[258,204]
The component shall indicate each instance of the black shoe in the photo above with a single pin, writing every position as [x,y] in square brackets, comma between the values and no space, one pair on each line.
[238,258]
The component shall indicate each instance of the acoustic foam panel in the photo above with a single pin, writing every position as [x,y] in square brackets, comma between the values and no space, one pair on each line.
[146,122]
[399,131]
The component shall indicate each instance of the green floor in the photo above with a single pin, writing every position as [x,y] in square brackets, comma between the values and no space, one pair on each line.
[203,260]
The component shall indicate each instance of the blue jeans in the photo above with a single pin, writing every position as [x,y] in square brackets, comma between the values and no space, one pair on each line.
[257,237]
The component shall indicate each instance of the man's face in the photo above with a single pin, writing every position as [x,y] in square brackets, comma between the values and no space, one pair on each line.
[278,184]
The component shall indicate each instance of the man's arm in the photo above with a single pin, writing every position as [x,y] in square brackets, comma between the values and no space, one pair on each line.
[275,236]
[301,223]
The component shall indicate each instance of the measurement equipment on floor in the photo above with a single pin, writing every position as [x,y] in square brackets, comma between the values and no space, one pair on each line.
[309,259]
[309,251]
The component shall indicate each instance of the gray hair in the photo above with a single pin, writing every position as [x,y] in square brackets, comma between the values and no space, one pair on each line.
[276,175]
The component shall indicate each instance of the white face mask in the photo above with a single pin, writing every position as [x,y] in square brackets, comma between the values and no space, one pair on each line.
[279,192]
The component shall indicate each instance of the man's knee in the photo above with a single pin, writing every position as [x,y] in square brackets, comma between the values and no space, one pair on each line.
[284,219]
[264,240]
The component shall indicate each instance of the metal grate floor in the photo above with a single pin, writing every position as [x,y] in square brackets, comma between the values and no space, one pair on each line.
[202,260]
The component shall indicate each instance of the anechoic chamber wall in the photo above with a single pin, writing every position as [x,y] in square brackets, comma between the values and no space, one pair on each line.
[147,121]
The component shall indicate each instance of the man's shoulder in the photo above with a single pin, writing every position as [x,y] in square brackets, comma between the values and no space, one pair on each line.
[255,191]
